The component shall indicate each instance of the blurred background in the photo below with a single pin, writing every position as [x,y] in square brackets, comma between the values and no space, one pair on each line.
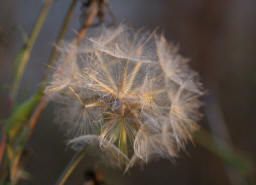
[218,36]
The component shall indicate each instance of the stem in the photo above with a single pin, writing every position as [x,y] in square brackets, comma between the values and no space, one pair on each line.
[123,138]
[81,34]
[23,56]
[51,61]
[60,36]
[226,153]
[92,11]
[44,100]
[2,148]
[71,166]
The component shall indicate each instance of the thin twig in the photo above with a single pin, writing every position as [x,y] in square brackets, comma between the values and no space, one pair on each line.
[93,9]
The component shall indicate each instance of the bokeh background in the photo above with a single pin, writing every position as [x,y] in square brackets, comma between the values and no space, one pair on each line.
[218,36]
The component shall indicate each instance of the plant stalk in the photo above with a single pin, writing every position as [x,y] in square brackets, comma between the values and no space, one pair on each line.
[23,56]
[60,36]
[79,38]
[230,157]
[71,166]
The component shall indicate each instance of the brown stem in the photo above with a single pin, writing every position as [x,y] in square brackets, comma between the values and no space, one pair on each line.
[93,9]
[91,14]
[60,37]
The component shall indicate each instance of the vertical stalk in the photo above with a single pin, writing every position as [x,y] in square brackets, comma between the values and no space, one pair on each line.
[123,138]
[71,166]
[23,56]
[60,36]
[91,14]
[237,161]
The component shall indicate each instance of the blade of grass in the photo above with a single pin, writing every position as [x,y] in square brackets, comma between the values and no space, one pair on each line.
[71,166]
[43,100]
[231,158]
[24,111]
[52,58]
[28,107]
[21,114]
[20,144]
[12,123]
[23,55]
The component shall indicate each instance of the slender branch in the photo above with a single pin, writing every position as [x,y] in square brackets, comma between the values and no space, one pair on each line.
[71,166]
[92,11]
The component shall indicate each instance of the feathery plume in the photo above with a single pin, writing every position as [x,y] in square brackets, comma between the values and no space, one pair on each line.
[130,92]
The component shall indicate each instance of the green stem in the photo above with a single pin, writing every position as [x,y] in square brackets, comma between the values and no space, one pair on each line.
[67,18]
[71,166]
[123,138]
[225,152]
[20,144]
[23,56]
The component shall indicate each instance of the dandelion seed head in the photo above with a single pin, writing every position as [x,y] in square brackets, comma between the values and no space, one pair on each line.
[130,92]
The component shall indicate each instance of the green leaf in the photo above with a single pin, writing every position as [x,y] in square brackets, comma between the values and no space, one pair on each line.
[22,113]
[23,55]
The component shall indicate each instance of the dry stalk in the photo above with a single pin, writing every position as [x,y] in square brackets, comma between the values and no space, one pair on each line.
[93,9]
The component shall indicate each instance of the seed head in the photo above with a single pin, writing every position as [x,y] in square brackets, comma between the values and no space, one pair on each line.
[130,92]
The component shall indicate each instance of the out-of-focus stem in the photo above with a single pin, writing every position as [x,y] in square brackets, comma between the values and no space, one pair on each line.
[2,148]
[60,36]
[228,156]
[71,166]
[91,14]
[38,110]
[23,57]
[93,9]
[24,54]
[44,99]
